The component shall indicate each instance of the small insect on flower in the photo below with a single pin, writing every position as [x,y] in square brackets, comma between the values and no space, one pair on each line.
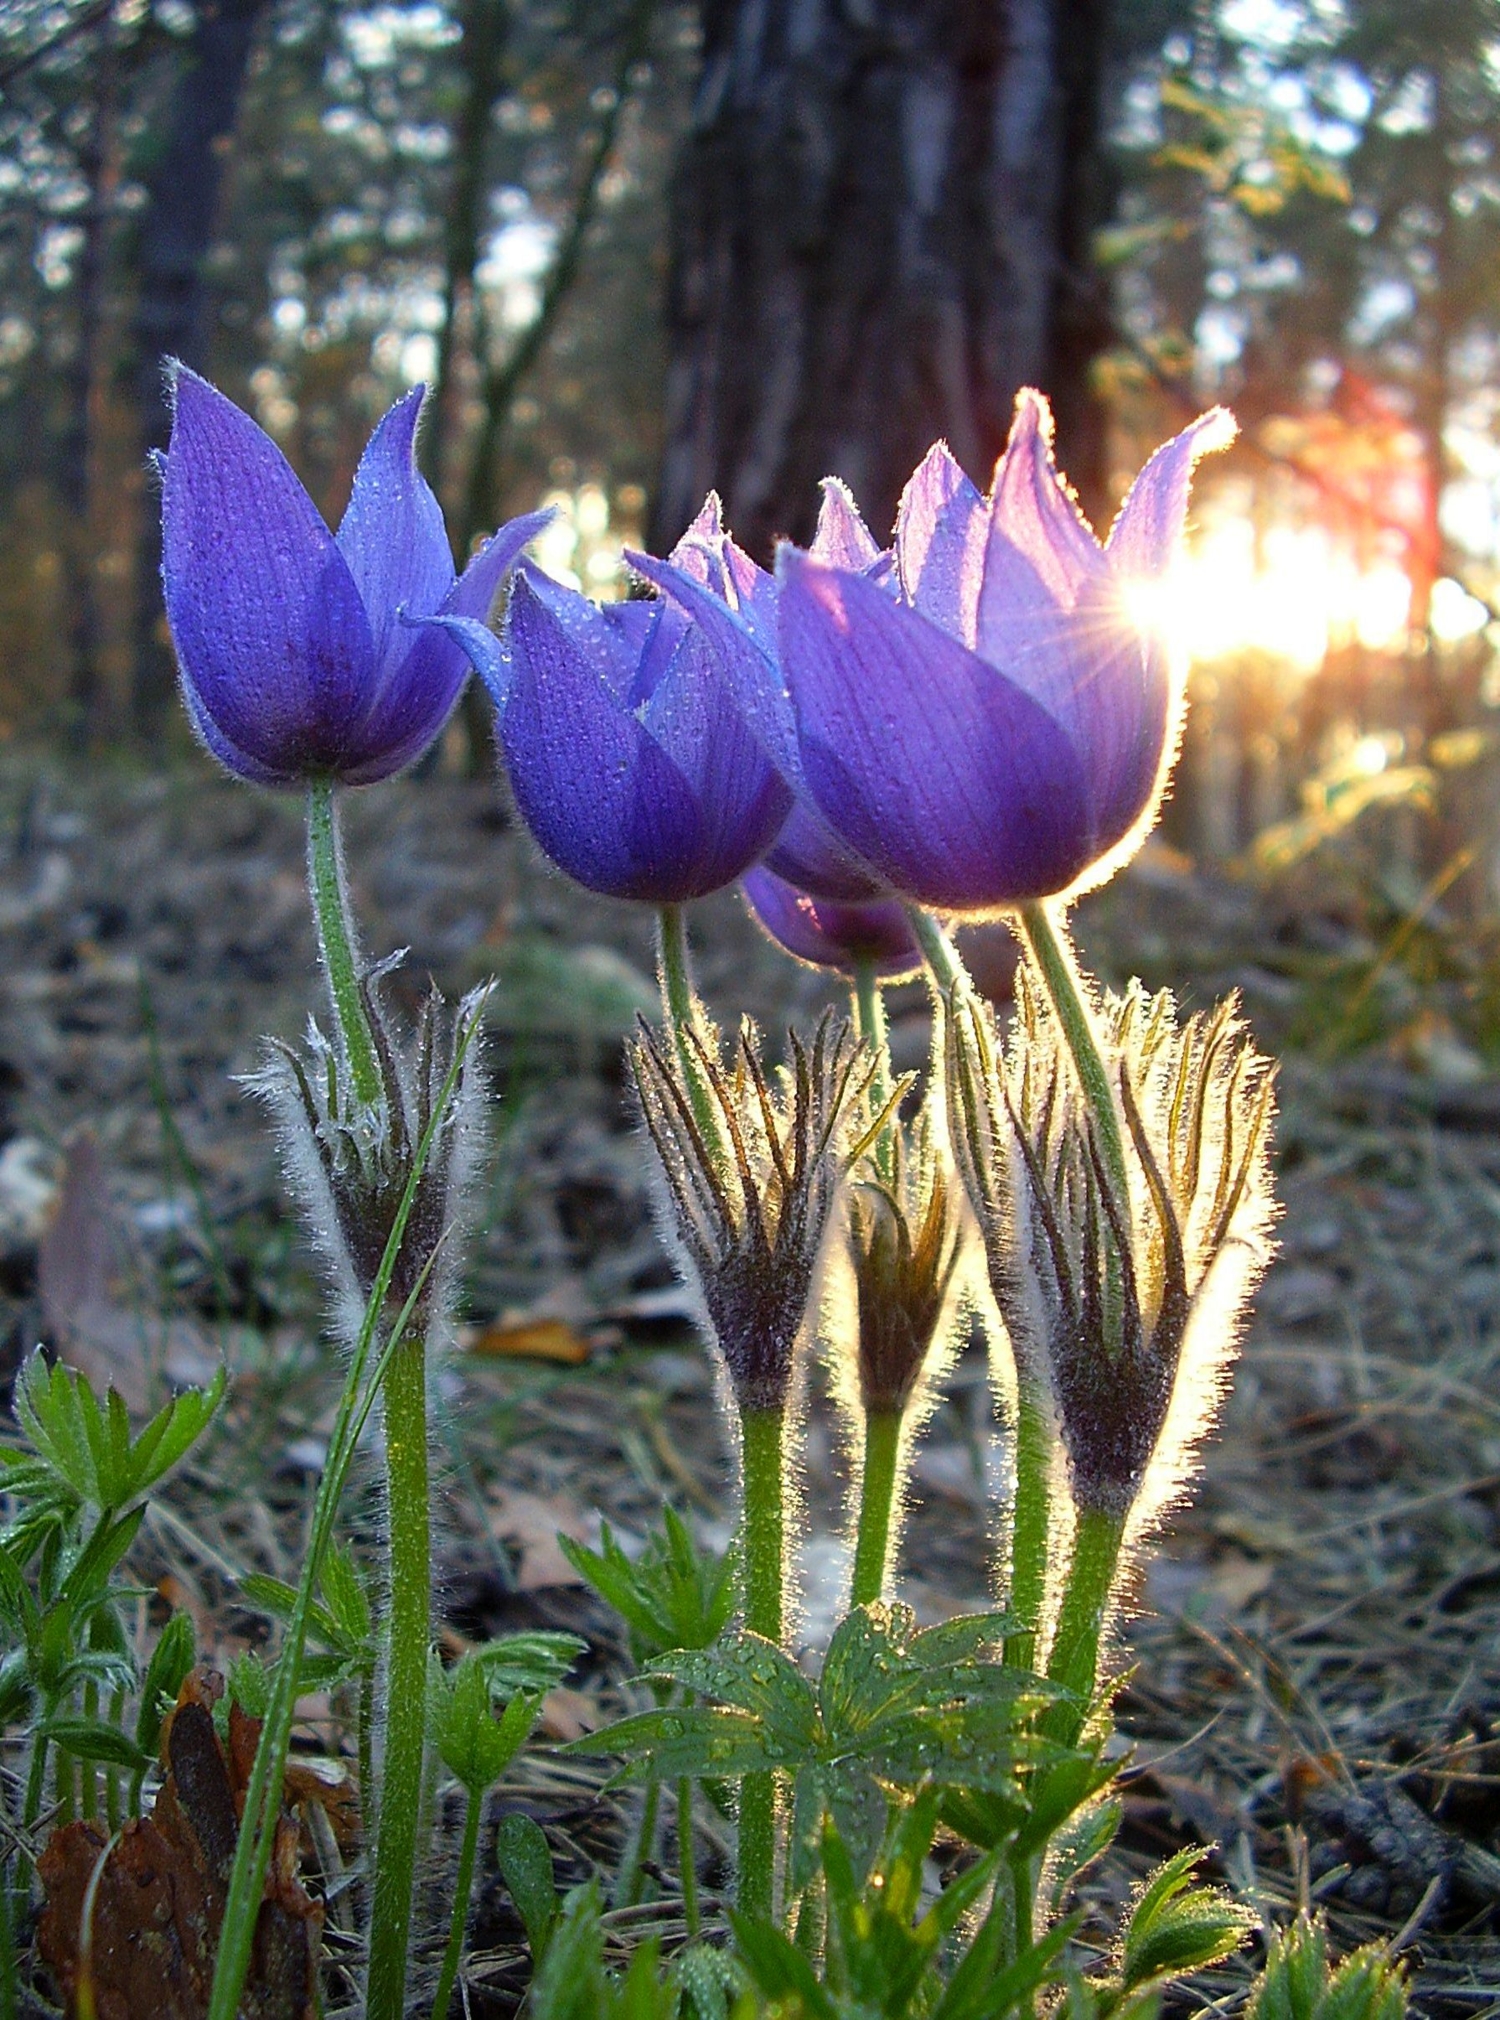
[752,1184]
[297,656]
[1124,1311]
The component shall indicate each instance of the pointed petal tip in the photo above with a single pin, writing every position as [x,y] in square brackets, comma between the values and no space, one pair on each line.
[1213,431]
[1033,410]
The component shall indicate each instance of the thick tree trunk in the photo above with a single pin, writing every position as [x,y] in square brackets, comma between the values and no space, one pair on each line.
[172,307]
[880,230]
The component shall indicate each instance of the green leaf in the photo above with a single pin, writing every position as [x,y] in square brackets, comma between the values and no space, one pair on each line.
[250,1682]
[695,1740]
[89,1447]
[751,1674]
[166,1672]
[1297,1984]
[525,1861]
[1176,1928]
[530,1662]
[569,1982]
[778,1968]
[673,1595]
[92,1739]
[472,1743]
[347,1596]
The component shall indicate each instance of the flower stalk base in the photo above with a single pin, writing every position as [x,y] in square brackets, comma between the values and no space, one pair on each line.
[409,1635]
[763,1441]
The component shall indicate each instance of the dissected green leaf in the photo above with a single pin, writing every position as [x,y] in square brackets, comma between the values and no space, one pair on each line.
[1176,1928]
[1298,1984]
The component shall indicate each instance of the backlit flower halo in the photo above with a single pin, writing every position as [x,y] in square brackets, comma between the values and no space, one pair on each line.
[1001,730]
[298,658]
[985,716]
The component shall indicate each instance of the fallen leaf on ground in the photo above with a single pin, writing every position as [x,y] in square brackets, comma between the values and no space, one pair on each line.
[529,1524]
[532,1340]
[161,1886]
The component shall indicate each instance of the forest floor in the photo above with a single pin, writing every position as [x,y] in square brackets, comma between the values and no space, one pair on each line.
[1317,1643]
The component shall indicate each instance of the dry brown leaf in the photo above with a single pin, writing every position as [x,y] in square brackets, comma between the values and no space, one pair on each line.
[529,1525]
[532,1340]
[160,1891]
[568,1714]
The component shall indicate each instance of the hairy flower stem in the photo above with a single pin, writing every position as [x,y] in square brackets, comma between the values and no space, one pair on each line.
[869,1022]
[1082,1618]
[1031,1519]
[938,951]
[409,1630]
[763,1435]
[1053,959]
[877,1501]
[336,940]
[463,1887]
[687,1862]
[683,1015]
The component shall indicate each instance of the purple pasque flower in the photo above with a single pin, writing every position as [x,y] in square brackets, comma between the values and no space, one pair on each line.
[628,753]
[734,603]
[1000,729]
[296,658]
[828,933]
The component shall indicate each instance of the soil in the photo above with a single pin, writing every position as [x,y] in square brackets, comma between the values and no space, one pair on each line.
[1315,1690]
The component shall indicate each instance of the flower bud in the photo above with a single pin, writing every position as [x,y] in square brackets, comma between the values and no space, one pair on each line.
[904,1244]
[752,1179]
[352,1161]
[1122,1311]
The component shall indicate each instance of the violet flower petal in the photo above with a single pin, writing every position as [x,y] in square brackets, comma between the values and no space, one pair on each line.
[742,798]
[419,690]
[271,633]
[392,533]
[831,935]
[601,796]
[939,544]
[950,780]
[1149,525]
[810,855]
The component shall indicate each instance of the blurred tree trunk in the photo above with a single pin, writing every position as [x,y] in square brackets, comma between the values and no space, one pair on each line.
[182,190]
[486,26]
[881,226]
[98,164]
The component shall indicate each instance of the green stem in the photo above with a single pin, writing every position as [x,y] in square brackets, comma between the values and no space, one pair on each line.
[684,1014]
[448,1977]
[869,1021]
[10,1965]
[687,1862]
[409,1637]
[336,941]
[877,1502]
[262,1805]
[1081,1620]
[365,1741]
[764,1544]
[1031,1521]
[628,1889]
[88,1804]
[938,951]
[1053,959]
